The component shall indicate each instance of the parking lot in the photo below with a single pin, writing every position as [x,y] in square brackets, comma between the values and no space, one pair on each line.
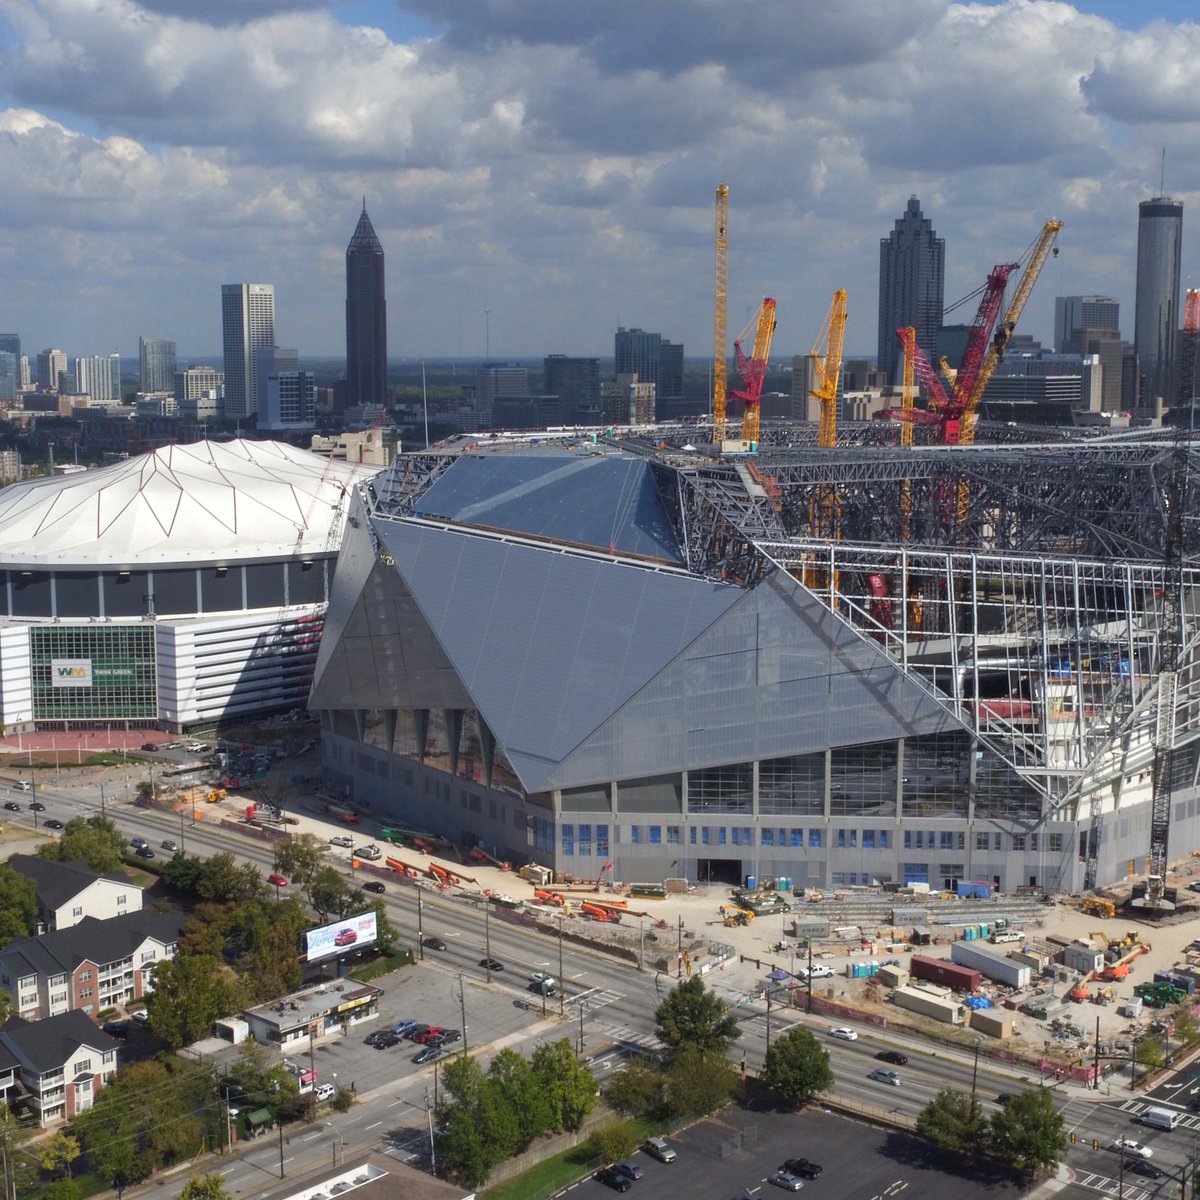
[732,1156]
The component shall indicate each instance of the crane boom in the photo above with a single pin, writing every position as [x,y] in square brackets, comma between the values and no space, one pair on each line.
[720,308]
[754,369]
[826,358]
[981,331]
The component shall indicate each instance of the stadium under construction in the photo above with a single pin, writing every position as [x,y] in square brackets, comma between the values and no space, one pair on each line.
[844,665]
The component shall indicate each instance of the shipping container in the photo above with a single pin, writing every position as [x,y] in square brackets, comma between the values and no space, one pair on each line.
[929,1005]
[975,891]
[992,964]
[962,979]
[892,976]
[994,1023]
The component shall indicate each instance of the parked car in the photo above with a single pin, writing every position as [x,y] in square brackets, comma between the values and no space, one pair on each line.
[149,748]
[821,971]
[843,1034]
[12,806]
[144,852]
[117,1029]
[138,842]
[141,1016]
[491,964]
[428,1054]
[613,1179]
[888,1077]
[430,1032]
[167,844]
[658,1147]
[52,823]
[22,785]
[786,1180]
[415,1031]
[380,1035]
[893,1056]
[433,943]
[324,1091]
[385,1040]
[277,879]
[629,1169]
[1132,1149]
[450,1035]
[344,937]
[373,885]
[342,839]
[802,1167]
[402,1027]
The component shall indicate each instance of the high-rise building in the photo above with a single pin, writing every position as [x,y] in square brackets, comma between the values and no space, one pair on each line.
[156,365]
[1156,315]
[10,343]
[670,370]
[94,376]
[912,270]
[499,379]
[51,364]
[193,382]
[10,375]
[576,383]
[247,324]
[268,361]
[1074,314]
[366,317]
[289,399]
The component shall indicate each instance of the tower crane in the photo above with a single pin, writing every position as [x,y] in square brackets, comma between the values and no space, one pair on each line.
[826,359]
[720,306]
[1187,353]
[753,370]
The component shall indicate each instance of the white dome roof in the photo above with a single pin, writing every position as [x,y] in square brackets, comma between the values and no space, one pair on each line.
[200,503]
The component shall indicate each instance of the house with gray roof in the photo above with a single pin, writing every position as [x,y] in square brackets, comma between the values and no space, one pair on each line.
[68,892]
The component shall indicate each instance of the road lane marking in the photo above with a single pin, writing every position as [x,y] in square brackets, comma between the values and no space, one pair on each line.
[376,1125]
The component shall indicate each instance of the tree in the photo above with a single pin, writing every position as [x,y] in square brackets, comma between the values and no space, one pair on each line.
[699,1081]
[191,991]
[263,1084]
[636,1091]
[57,1152]
[1149,1053]
[797,1067]
[182,872]
[614,1140]
[692,1015]
[1187,1028]
[299,857]
[18,905]
[1029,1132]
[568,1085]
[954,1123]
[205,1187]
[331,895]
[513,1084]
[96,840]
[476,1130]
[386,934]
[224,879]
[63,1188]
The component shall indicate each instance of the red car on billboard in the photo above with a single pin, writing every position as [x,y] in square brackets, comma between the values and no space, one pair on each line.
[345,937]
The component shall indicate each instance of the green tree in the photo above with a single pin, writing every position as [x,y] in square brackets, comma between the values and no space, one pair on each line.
[205,1187]
[1029,1132]
[299,857]
[18,905]
[191,991]
[262,1084]
[614,1140]
[637,1090]
[1149,1053]
[227,881]
[511,1079]
[797,1067]
[182,872]
[476,1129]
[1187,1028]
[96,840]
[954,1122]
[387,936]
[568,1085]
[57,1152]
[63,1188]
[331,896]
[692,1015]
[699,1081]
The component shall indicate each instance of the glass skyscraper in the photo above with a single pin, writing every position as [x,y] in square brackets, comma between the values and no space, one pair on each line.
[247,325]
[1156,316]
[366,317]
[912,274]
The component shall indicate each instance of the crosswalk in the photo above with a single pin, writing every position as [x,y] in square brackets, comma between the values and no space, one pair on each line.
[624,1036]
[1110,1187]
[595,998]
[1186,1121]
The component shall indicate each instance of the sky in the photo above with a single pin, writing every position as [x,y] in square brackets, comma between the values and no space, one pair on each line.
[542,171]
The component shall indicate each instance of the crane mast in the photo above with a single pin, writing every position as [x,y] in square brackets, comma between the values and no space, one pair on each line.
[754,369]
[720,317]
[826,359]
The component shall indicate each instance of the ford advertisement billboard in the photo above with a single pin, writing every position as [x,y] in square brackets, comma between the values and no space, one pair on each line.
[341,937]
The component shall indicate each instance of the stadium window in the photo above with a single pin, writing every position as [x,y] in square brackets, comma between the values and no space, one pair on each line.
[853,839]
[1018,841]
[1056,843]
[673,835]
[947,840]
[568,840]
[981,841]
[705,834]
[721,835]
[1033,841]
[884,839]
[908,839]
[841,839]
[692,835]
[997,841]
[768,837]
[602,840]
[635,834]
[814,840]
[585,840]
[960,840]
[655,835]
[868,839]
[747,836]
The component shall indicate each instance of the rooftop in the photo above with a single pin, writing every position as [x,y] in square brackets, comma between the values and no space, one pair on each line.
[95,941]
[58,882]
[47,1045]
[310,1003]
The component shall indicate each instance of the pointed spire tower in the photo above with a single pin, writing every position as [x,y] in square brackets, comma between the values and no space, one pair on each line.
[366,317]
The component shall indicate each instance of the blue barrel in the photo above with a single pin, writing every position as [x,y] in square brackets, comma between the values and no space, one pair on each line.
[751,883]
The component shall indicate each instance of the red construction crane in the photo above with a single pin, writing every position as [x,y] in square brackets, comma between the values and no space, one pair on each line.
[753,370]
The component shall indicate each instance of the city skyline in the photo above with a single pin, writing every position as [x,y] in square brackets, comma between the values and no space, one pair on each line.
[557,171]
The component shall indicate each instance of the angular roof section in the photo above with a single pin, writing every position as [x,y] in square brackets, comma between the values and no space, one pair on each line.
[95,941]
[58,882]
[207,502]
[364,239]
[47,1045]
[607,501]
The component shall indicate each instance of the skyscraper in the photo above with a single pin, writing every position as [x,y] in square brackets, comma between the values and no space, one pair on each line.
[51,363]
[1156,315]
[156,365]
[247,324]
[366,317]
[99,375]
[576,383]
[1074,314]
[912,272]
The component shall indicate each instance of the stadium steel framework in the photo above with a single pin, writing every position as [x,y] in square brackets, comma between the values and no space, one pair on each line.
[1034,623]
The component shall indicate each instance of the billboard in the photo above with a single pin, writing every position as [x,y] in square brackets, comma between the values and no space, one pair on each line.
[71,672]
[341,937]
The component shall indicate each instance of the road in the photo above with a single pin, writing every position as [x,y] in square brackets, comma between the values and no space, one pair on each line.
[617,1002]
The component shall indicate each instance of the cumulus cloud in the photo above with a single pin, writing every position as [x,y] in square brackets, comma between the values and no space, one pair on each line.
[1148,76]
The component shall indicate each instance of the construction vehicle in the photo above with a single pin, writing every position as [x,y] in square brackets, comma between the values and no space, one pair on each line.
[216,795]
[734,915]
[1159,994]
[1104,996]
[720,315]
[753,370]
[347,816]
[1097,906]
[1079,993]
[600,913]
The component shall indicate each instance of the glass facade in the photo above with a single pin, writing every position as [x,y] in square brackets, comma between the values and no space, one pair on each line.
[90,673]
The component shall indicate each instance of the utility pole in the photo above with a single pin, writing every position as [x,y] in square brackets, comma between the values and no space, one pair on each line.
[462,1000]
[279,1126]
[641,943]
[1096,1068]
[975,1073]
[769,991]
[808,980]
[432,1151]
[679,946]
[562,992]
[312,1071]
[420,934]
[487,942]
[581,1006]
[102,799]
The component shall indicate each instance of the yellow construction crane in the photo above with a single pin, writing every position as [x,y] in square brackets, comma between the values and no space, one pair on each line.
[826,359]
[720,306]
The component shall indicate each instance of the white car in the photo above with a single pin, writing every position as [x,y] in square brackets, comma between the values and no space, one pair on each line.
[1132,1148]
[843,1034]
[342,839]
[325,1091]
[821,971]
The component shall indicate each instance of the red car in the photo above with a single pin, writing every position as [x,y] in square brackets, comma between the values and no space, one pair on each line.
[345,937]
[277,879]
[429,1034]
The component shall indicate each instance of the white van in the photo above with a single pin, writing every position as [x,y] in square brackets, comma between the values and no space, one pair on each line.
[1007,935]
[1160,1118]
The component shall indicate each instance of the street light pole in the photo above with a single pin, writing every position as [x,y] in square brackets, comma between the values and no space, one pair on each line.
[808,1004]
[562,993]
[420,933]
[581,1007]
[487,939]
[975,1073]
[462,1001]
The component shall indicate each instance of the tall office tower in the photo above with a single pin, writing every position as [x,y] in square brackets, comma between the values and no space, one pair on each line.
[194,382]
[10,378]
[1074,314]
[670,369]
[50,365]
[23,367]
[114,375]
[1156,315]
[499,379]
[287,395]
[366,317]
[576,383]
[94,376]
[248,324]
[156,365]
[268,361]
[912,273]
[10,343]
[638,353]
